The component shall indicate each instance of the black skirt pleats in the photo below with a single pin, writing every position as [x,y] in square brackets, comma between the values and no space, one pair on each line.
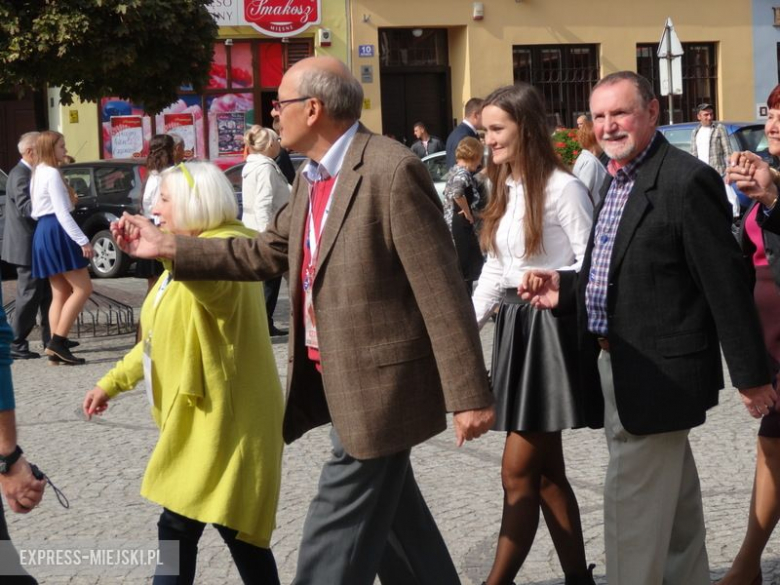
[534,372]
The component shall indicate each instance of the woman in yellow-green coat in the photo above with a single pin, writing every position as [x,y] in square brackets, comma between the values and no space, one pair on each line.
[206,362]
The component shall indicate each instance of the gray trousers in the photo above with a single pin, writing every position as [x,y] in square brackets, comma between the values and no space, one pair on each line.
[653,519]
[32,295]
[369,518]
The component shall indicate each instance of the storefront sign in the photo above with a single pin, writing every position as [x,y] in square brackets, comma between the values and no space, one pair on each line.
[282,18]
[230,131]
[127,136]
[226,12]
[183,125]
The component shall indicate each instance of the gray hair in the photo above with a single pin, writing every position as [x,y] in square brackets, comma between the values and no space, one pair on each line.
[340,93]
[642,85]
[27,141]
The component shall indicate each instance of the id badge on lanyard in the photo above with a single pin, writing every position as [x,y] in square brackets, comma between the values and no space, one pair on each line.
[147,355]
[313,241]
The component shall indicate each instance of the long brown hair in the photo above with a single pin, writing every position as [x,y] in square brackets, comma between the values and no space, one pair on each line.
[534,157]
[44,148]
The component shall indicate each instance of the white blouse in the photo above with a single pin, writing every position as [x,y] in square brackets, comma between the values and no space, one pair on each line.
[151,193]
[568,215]
[50,196]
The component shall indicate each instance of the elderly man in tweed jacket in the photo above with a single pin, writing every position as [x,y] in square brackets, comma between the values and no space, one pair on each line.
[383,339]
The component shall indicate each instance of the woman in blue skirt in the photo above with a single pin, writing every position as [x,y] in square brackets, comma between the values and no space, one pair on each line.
[61,251]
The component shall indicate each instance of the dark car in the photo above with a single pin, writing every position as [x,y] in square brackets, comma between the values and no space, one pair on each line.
[742,136]
[105,190]
[234,176]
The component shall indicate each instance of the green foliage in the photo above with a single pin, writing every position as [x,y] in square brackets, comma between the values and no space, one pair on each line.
[141,50]
[566,146]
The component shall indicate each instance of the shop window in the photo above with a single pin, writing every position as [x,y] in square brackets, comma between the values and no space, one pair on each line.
[243,80]
[699,76]
[564,74]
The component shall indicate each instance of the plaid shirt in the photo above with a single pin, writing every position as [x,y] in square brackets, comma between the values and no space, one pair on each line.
[604,240]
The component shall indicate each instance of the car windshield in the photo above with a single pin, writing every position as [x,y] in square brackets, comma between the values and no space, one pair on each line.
[114,179]
[679,137]
[751,138]
[437,166]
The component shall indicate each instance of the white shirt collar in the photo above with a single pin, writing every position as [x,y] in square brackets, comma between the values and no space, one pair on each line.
[330,165]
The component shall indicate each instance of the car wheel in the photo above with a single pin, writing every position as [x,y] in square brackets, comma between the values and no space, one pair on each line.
[109,261]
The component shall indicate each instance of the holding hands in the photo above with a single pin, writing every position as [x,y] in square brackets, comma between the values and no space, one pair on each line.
[139,237]
[754,177]
[541,288]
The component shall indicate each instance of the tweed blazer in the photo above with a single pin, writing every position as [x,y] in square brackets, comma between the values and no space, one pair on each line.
[19,226]
[398,340]
[678,291]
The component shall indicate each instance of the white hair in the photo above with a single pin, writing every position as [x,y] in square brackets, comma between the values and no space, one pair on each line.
[204,206]
[27,141]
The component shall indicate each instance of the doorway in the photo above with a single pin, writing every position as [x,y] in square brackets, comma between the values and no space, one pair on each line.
[415,82]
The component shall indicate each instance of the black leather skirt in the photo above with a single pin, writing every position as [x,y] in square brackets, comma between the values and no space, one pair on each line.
[534,371]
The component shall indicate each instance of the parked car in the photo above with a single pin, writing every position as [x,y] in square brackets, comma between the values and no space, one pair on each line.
[234,176]
[742,136]
[105,190]
[437,167]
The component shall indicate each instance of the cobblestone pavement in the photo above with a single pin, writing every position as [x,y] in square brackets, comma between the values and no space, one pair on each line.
[99,466]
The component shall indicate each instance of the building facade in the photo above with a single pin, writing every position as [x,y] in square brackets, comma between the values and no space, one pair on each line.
[424,60]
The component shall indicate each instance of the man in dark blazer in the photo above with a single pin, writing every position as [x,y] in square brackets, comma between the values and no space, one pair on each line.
[383,339]
[472,121]
[661,290]
[32,294]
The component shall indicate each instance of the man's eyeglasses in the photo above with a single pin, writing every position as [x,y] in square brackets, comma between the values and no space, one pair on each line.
[277,104]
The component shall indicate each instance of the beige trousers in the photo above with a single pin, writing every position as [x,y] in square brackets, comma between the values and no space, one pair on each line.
[653,520]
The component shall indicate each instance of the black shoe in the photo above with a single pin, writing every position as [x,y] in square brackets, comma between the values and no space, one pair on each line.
[24,354]
[70,344]
[274,332]
[56,348]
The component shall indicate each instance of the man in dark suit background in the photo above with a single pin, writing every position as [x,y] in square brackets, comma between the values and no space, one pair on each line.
[383,340]
[472,121]
[32,294]
[662,288]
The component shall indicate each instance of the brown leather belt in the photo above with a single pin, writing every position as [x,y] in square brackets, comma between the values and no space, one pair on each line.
[603,343]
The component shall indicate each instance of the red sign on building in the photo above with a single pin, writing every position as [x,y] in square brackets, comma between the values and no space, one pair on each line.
[282,18]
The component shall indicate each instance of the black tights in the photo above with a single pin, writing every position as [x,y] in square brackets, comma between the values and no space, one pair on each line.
[255,565]
[534,478]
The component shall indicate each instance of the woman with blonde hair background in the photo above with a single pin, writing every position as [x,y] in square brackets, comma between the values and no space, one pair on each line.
[264,190]
[211,380]
[61,251]
[538,215]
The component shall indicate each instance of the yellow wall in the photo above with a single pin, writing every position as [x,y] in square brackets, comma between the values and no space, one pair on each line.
[481,51]
[82,137]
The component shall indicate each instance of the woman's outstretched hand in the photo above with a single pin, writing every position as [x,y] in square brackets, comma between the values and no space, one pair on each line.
[95,402]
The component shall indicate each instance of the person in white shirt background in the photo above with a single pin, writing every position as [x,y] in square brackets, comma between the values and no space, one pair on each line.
[61,251]
[538,215]
[588,167]
[264,190]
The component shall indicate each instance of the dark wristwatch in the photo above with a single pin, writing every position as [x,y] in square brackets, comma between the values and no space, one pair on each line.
[6,461]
